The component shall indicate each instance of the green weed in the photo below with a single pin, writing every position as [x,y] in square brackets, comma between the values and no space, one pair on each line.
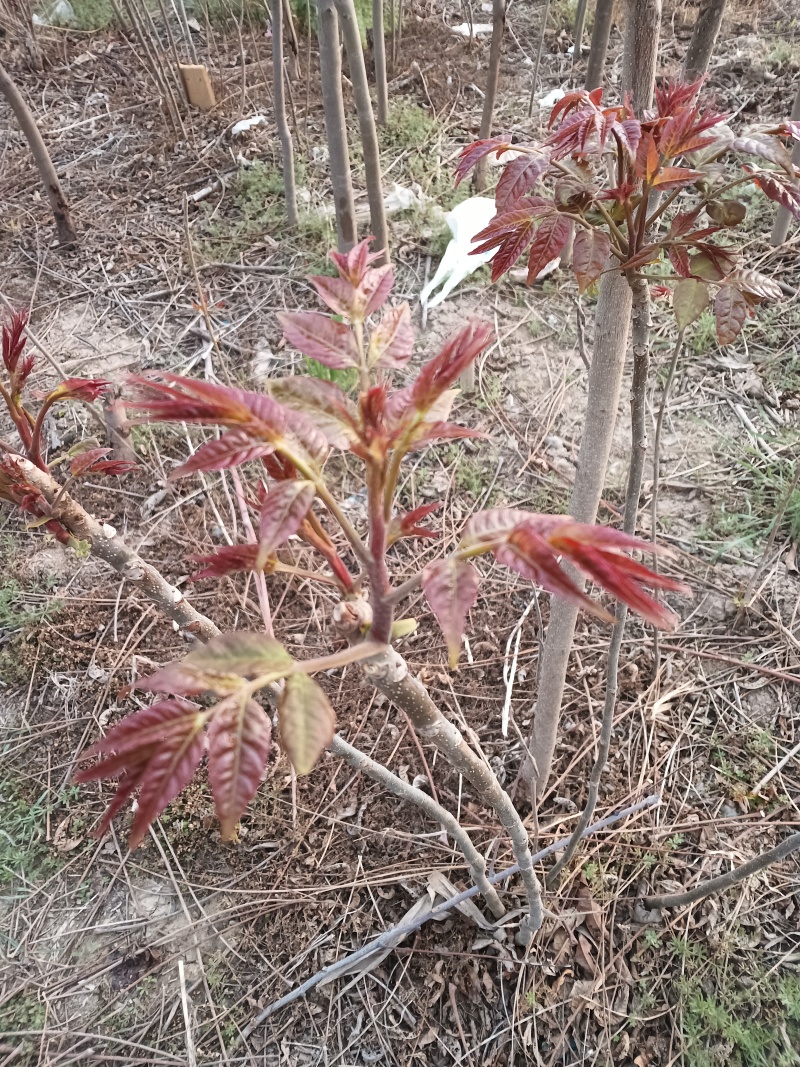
[93,14]
[346,378]
[24,854]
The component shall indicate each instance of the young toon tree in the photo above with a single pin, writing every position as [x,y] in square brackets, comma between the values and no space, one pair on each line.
[656,192]
[285,438]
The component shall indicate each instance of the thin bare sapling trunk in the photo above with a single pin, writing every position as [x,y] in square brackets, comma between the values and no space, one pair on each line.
[780,229]
[704,37]
[379,50]
[366,122]
[580,23]
[65,228]
[492,80]
[612,323]
[294,47]
[284,133]
[641,366]
[538,62]
[598,47]
[335,127]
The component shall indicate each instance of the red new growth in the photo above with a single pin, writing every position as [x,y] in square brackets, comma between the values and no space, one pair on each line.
[639,193]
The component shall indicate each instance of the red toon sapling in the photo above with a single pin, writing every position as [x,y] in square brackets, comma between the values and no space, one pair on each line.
[208,702]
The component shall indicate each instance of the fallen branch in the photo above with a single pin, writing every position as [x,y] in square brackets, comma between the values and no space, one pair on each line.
[397,933]
[725,881]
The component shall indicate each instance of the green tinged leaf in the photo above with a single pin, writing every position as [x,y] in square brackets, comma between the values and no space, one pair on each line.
[689,300]
[307,721]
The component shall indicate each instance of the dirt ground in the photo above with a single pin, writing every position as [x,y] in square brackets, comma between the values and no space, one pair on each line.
[164,956]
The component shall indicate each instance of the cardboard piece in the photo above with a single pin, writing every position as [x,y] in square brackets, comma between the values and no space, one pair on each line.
[196,82]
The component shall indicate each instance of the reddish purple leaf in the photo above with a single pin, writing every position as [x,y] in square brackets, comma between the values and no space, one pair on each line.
[458,351]
[519,176]
[319,337]
[510,234]
[590,253]
[338,293]
[156,750]
[765,147]
[676,177]
[406,525]
[230,559]
[755,285]
[679,258]
[375,288]
[778,189]
[730,310]
[282,513]
[93,461]
[231,450]
[323,403]
[476,151]
[239,740]
[551,236]
[451,588]
[391,343]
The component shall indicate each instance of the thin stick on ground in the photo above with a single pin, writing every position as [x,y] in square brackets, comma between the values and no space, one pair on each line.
[725,881]
[641,364]
[395,934]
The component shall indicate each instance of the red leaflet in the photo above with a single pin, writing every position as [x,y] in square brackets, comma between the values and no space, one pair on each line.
[282,514]
[156,750]
[670,96]
[590,254]
[531,544]
[86,389]
[520,175]
[647,158]
[451,588]
[319,337]
[324,403]
[93,461]
[510,234]
[239,740]
[353,266]
[475,152]
[646,254]
[551,236]
[574,100]
[13,344]
[679,258]
[676,177]
[15,488]
[230,450]
[730,310]
[338,293]
[391,343]
[375,288]
[686,131]
[776,187]
[406,525]
[230,559]
[683,222]
[528,552]
[458,351]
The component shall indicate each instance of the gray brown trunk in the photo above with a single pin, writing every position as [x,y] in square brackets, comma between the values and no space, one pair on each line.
[65,228]
[492,79]
[612,325]
[366,122]
[335,126]
[704,37]
[284,133]
[598,48]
